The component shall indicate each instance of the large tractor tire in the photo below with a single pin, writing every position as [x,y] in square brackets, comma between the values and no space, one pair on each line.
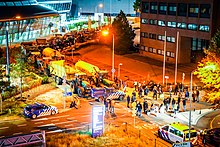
[80,91]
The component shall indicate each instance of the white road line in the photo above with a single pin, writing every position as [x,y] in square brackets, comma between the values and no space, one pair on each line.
[55,131]
[2,128]
[58,116]
[22,125]
[39,123]
[40,119]
[68,125]
[18,133]
[85,115]
[47,125]
[71,118]
[76,128]
[63,122]
[35,130]
[55,120]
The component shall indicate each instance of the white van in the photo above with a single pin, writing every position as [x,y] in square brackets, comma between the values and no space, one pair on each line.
[177,133]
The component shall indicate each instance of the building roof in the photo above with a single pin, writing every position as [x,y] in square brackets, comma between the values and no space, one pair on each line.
[33,10]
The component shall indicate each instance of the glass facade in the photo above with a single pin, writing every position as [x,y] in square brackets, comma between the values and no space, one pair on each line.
[24,30]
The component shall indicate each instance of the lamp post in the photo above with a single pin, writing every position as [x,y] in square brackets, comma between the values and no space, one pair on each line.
[7,55]
[119,70]
[105,33]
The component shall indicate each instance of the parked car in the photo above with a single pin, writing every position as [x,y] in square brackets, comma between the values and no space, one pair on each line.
[211,136]
[36,110]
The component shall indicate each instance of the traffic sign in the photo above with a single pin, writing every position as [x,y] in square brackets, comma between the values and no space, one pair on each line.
[113,70]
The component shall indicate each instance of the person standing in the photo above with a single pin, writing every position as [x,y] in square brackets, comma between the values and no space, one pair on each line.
[146,91]
[155,92]
[139,109]
[159,91]
[173,103]
[112,106]
[184,104]
[145,105]
[176,90]
[187,94]
[128,101]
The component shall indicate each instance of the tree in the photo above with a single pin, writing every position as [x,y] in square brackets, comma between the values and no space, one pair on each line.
[21,68]
[123,34]
[137,5]
[208,70]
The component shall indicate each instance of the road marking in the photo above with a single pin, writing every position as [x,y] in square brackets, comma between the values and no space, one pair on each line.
[47,125]
[4,128]
[76,128]
[39,119]
[62,122]
[22,125]
[35,130]
[213,121]
[68,125]
[71,118]
[58,116]
[18,133]
[54,120]
[55,131]
[39,123]
[85,115]
[50,128]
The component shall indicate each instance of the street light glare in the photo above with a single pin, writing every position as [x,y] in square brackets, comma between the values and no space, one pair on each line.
[105,33]
[100,5]
[18,17]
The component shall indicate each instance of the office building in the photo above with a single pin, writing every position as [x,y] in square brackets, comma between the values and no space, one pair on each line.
[25,20]
[195,21]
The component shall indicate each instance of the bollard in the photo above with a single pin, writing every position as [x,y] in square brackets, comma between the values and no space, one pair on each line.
[200,112]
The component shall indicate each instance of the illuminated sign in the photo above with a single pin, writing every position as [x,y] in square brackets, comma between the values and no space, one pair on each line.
[97,120]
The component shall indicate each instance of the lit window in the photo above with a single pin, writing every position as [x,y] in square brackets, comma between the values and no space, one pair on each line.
[146,49]
[142,47]
[144,21]
[172,55]
[150,49]
[153,7]
[170,39]
[162,8]
[193,10]
[168,53]
[161,23]
[192,27]
[9,3]
[171,24]
[153,22]
[2,4]
[181,25]
[152,36]
[204,28]
[172,9]
[154,50]
[18,3]
[160,37]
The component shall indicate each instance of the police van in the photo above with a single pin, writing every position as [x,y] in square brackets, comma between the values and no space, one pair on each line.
[36,110]
[177,133]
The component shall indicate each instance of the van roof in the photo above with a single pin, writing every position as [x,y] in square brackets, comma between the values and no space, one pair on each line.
[179,126]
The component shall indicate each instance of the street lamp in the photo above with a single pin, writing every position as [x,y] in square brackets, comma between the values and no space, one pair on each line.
[105,33]
[119,65]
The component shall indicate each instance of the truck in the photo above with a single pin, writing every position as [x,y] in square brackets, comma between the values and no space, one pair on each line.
[94,71]
[107,93]
[64,73]
[49,52]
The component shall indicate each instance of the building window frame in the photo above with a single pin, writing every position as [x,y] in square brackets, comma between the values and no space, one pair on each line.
[193,27]
[163,8]
[145,7]
[193,10]
[172,9]
[153,7]
[153,22]
[204,28]
[182,9]
[181,25]
[171,24]
[161,23]
[144,21]
[205,10]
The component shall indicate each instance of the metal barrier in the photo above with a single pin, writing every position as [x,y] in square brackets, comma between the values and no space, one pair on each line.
[23,140]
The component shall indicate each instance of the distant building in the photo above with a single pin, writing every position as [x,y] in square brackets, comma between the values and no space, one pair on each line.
[113,7]
[63,7]
[25,20]
[196,21]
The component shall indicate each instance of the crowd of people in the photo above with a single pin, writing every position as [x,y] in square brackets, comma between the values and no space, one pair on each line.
[177,98]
